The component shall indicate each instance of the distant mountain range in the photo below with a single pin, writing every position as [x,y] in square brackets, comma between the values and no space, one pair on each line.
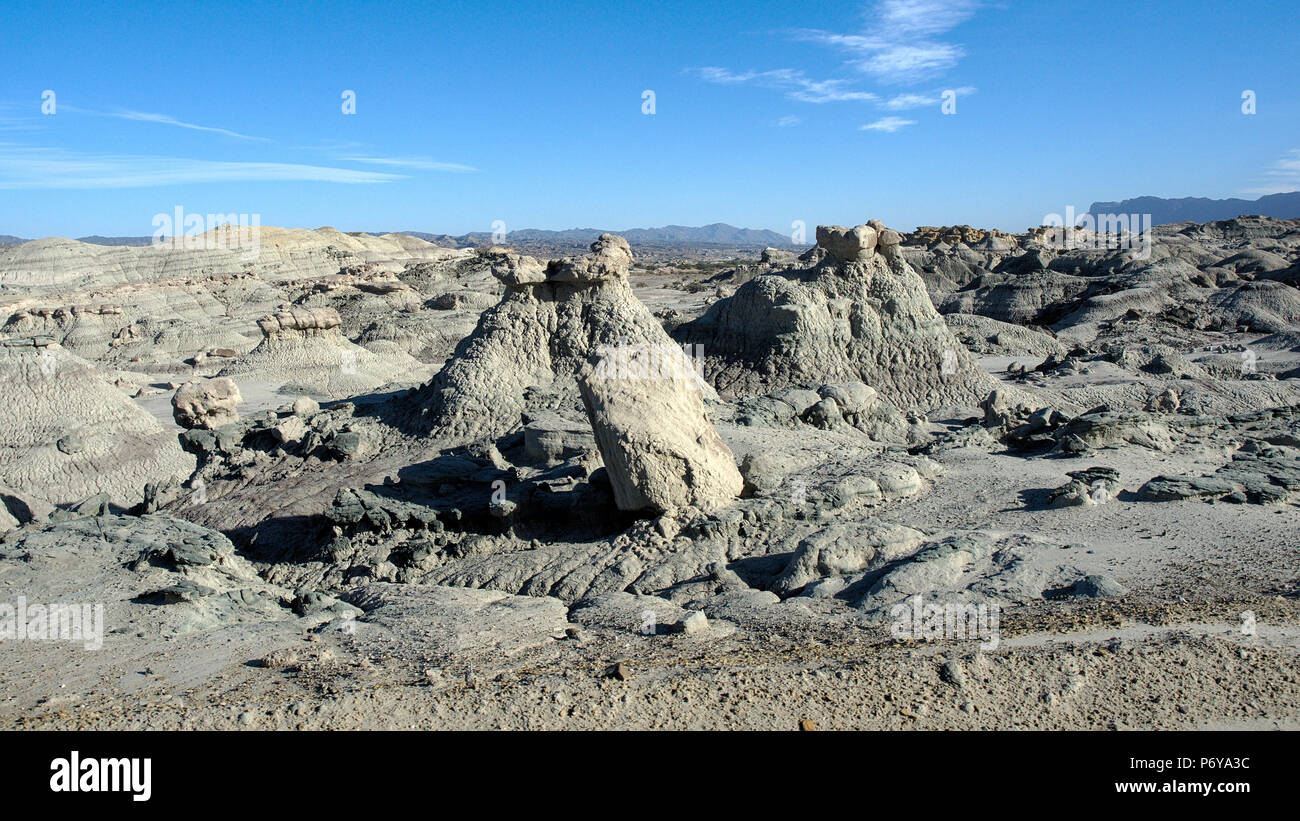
[98,240]
[718,233]
[1202,209]
[8,239]
[721,235]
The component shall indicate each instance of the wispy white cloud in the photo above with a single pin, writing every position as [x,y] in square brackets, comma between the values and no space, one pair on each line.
[163,119]
[26,167]
[18,125]
[1281,177]
[921,18]
[899,43]
[159,119]
[788,121]
[887,124]
[796,85]
[904,102]
[417,163]
[14,117]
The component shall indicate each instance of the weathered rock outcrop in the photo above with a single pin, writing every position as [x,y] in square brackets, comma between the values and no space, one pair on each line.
[527,350]
[856,312]
[305,351]
[208,404]
[277,253]
[659,448]
[66,433]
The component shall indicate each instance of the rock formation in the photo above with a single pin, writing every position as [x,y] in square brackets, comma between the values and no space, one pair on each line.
[659,448]
[66,433]
[304,351]
[856,312]
[209,404]
[551,321]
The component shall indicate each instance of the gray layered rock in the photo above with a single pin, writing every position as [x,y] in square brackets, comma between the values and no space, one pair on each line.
[1091,486]
[1259,473]
[659,447]
[842,550]
[552,320]
[155,573]
[856,312]
[208,404]
[451,619]
[66,433]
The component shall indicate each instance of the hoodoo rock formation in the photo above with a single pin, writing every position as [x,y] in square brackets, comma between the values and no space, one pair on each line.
[856,311]
[305,351]
[570,487]
[527,350]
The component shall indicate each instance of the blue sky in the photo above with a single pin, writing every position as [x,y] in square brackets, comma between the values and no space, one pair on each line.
[765,112]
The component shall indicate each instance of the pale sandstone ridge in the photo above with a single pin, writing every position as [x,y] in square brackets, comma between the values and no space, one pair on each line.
[288,321]
[551,321]
[56,263]
[305,351]
[66,433]
[855,311]
[165,311]
[659,448]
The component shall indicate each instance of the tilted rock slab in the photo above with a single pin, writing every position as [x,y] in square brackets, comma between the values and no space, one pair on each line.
[660,449]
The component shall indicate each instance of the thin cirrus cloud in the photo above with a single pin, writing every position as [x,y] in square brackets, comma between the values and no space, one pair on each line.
[160,119]
[1282,177]
[25,167]
[18,124]
[796,85]
[900,43]
[416,163]
[163,119]
[904,102]
[887,125]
